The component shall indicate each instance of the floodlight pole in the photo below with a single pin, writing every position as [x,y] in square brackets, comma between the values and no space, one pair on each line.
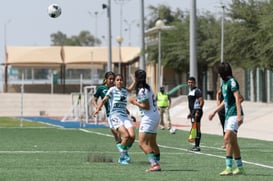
[193,62]
[159,25]
[222,34]
[119,41]
[129,30]
[22,100]
[109,62]
[6,52]
[142,53]
[96,13]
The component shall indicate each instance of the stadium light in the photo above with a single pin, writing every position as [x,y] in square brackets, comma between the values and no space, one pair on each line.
[152,40]
[129,24]
[119,41]
[109,62]
[159,25]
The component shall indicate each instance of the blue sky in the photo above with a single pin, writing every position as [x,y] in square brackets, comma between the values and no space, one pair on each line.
[27,22]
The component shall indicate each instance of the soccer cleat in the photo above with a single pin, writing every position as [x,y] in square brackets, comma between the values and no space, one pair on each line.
[226,172]
[196,148]
[127,157]
[239,171]
[122,161]
[154,168]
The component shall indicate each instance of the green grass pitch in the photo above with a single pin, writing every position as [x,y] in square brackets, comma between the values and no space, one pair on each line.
[42,153]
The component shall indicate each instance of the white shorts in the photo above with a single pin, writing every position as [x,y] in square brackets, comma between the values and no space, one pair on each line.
[231,124]
[117,121]
[148,125]
[109,123]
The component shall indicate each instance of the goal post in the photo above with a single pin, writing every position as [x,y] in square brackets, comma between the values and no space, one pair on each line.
[74,113]
[89,92]
[82,107]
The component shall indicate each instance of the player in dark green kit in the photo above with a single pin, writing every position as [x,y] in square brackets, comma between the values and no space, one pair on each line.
[233,119]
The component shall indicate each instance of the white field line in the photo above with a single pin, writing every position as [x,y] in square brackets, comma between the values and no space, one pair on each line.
[162,146]
[186,150]
[36,152]
[9,152]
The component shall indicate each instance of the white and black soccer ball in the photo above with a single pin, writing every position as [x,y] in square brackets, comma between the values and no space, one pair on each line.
[54,10]
[172,130]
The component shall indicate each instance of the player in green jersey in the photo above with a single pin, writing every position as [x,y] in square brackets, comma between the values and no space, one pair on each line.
[233,119]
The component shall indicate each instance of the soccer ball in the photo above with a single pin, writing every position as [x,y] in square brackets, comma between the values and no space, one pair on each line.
[172,130]
[54,10]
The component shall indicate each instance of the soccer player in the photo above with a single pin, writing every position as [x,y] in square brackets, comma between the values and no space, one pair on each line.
[100,93]
[146,102]
[195,103]
[233,119]
[118,117]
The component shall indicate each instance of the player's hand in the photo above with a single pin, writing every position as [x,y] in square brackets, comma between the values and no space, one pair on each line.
[132,100]
[95,113]
[240,120]
[97,108]
[211,115]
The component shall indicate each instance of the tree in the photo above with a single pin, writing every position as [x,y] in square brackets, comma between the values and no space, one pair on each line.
[172,41]
[175,43]
[83,39]
[251,38]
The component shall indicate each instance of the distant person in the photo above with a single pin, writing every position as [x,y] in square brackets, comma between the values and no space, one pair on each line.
[146,103]
[233,119]
[118,116]
[164,104]
[195,103]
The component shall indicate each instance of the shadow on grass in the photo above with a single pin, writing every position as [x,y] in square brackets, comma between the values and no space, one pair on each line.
[258,175]
[178,170]
[166,170]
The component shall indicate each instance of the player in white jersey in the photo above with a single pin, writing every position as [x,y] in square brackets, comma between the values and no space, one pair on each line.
[119,120]
[149,120]
[101,90]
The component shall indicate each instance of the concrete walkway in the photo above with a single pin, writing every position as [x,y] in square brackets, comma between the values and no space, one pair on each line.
[258,122]
[258,119]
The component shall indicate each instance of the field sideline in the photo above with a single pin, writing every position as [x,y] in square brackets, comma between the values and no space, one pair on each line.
[49,153]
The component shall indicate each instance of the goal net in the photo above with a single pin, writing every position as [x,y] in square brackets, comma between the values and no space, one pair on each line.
[82,108]
[89,109]
[74,113]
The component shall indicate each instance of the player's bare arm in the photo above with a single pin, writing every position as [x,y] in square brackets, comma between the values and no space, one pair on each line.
[98,108]
[143,105]
[237,96]
[218,108]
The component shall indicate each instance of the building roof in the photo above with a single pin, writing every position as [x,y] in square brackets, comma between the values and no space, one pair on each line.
[56,55]
[89,55]
[33,55]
